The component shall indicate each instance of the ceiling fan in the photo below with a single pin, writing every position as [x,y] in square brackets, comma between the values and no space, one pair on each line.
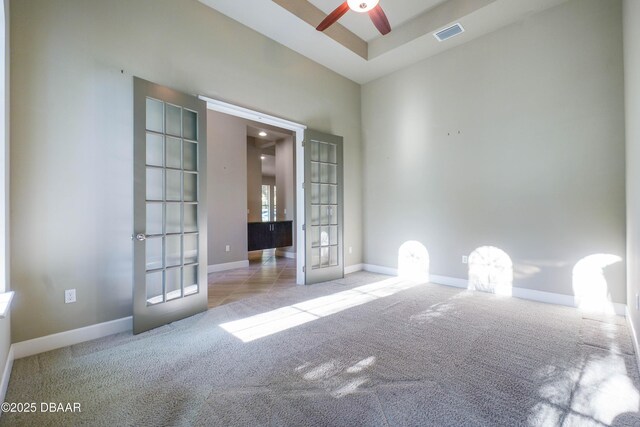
[371,6]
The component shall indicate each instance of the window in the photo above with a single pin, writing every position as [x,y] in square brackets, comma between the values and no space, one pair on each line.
[274,203]
[266,203]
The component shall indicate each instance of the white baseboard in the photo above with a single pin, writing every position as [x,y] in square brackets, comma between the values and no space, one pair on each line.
[529,294]
[353,268]
[227,266]
[380,269]
[548,297]
[6,374]
[290,255]
[448,281]
[74,336]
[634,337]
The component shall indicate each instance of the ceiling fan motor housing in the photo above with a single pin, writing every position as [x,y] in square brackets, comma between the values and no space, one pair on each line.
[362,6]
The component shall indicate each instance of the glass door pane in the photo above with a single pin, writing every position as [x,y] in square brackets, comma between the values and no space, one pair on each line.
[323,207]
[167,182]
[169,251]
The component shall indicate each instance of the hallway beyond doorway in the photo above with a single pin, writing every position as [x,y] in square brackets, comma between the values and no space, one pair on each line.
[266,272]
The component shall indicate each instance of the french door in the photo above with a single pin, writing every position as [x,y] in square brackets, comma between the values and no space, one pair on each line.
[323,169]
[170,228]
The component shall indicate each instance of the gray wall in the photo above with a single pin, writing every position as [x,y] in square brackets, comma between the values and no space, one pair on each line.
[71,148]
[285,182]
[227,188]
[631,13]
[254,181]
[514,140]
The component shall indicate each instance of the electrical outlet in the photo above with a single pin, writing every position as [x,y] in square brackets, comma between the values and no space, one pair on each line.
[227,248]
[350,249]
[69,296]
[465,259]
[285,211]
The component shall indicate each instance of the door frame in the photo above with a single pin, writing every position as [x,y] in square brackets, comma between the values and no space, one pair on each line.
[298,129]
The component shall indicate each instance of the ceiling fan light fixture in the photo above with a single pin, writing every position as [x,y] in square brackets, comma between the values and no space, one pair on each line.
[362,6]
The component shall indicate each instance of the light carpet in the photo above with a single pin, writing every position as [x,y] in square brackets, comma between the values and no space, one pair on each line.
[348,355]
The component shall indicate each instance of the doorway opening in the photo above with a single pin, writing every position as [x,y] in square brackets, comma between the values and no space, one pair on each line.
[254,218]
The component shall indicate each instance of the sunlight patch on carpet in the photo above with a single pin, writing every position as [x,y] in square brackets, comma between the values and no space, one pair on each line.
[278,320]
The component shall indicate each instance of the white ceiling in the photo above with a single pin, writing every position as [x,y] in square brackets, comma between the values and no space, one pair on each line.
[398,12]
[272,133]
[410,41]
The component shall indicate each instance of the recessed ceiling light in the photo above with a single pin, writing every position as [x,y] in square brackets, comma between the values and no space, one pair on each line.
[262,133]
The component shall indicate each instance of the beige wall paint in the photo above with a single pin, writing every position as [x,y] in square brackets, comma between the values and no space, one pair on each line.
[285,183]
[73,64]
[254,181]
[514,140]
[631,14]
[227,188]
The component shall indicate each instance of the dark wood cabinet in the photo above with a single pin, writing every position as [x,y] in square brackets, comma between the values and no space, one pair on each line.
[268,235]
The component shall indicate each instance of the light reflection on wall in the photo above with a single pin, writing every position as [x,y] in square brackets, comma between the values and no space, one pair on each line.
[490,270]
[413,261]
[590,285]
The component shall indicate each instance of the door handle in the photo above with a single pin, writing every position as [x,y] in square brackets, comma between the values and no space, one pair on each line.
[141,237]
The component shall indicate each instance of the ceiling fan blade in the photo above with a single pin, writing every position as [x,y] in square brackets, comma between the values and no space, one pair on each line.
[333,17]
[380,20]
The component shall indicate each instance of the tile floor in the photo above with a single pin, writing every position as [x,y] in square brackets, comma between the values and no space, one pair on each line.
[265,273]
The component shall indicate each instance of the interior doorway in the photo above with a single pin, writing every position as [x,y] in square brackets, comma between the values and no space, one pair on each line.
[252,209]
[298,131]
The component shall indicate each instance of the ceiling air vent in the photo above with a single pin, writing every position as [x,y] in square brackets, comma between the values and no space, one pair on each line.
[448,32]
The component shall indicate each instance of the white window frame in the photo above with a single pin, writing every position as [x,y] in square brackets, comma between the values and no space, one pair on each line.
[6,295]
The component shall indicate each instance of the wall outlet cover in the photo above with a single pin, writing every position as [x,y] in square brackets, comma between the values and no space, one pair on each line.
[227,248]
[69,296]
[465,259]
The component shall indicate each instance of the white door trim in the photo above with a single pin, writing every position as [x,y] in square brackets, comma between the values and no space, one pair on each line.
[298,129]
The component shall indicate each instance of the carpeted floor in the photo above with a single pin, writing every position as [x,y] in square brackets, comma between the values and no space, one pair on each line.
[346,354]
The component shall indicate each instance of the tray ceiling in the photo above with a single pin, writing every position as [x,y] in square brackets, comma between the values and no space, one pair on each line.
[353,47]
